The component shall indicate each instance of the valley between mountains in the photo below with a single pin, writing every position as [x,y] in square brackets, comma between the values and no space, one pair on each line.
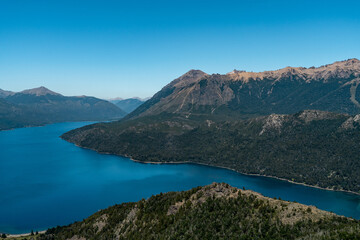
[299,124]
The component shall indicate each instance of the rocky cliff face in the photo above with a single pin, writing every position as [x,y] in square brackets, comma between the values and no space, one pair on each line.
[332,87]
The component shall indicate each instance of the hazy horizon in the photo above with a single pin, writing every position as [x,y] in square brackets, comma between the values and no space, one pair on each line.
[126,49]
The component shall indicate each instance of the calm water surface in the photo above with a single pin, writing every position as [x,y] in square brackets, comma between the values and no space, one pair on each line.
[45,181]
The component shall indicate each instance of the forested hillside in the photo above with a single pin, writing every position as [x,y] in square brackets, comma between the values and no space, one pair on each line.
[217,211]
[312,147]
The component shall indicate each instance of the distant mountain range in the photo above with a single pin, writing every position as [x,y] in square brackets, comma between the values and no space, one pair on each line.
[119,98]
[216,211]
[128,105]
[286,123]
[40,106]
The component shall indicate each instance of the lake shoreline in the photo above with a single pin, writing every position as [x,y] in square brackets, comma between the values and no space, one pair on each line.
[56,160]
[208,165]
[9,236]
[246,174]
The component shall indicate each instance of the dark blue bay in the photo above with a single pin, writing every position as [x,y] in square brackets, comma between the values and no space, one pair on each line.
[45,181]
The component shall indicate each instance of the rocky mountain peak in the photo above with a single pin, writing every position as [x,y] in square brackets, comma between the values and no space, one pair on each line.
[193,73]
[350,62]
[40,91]
[340,69]
[188,78]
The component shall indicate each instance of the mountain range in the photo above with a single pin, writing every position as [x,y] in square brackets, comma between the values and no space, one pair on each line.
[286,123]
[241,94]
[40,106]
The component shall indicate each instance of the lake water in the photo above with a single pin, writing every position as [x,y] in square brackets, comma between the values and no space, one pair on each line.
[46,181]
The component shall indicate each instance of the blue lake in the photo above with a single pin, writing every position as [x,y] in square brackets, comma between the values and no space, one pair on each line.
[46,181]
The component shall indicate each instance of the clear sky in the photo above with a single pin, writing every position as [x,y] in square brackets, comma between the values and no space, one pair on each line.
[133,48]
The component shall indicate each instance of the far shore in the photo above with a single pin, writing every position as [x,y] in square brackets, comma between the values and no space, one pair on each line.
[247,174]
[204,164]
[50,123]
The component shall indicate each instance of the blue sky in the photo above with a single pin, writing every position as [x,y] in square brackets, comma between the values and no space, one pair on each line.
[133,48]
